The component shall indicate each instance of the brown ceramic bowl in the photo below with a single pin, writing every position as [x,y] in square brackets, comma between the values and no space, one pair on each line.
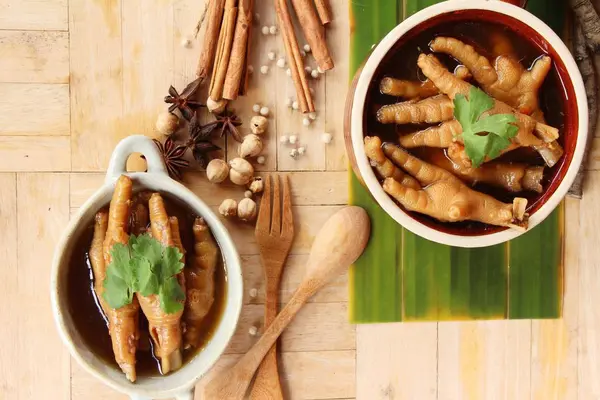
[571,117]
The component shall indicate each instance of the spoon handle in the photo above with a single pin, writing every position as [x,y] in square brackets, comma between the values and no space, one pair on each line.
[234,383]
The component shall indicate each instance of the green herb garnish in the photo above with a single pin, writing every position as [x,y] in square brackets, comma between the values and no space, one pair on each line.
[483,136]
[146,267]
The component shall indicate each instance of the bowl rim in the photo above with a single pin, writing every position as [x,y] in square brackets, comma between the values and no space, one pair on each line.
[184,379]
[360,95]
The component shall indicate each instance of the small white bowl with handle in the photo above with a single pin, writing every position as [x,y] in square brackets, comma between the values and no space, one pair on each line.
[179,384]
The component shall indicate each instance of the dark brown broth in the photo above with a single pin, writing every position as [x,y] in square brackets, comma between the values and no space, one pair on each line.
[401,62]
[89,319]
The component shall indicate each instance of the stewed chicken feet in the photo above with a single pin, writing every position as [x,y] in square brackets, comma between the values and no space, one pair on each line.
[200,279]
[384,167]
[514,177]
[444,196]
[448,84]
[507,80]
[165,329]
[430,110]
[122,322]
[412,90]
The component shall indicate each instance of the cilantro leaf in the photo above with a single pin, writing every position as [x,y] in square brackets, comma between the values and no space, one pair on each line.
[172,261]
[144,246]
[146,267]
[483,136]
[171,296]
[147,284]
[119,281]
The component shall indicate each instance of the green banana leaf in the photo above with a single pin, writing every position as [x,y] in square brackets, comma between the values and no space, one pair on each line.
[403,277]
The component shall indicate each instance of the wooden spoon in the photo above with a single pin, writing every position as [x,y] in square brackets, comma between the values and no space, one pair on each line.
[338,244]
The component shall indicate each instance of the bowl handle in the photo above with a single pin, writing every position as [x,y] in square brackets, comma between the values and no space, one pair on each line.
[134,144]
[186,395]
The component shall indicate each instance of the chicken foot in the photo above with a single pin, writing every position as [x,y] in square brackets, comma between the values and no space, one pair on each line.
[412,90]
[165,329]
[429,111]
[200,281]
[507,80]
[384,167]
[445,197]
[513,177]
[448,84]
[122,322]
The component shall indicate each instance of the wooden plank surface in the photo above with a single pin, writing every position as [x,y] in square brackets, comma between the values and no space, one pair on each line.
[53,119]
[46,15]
[42,213]
[77,76]
[34,57]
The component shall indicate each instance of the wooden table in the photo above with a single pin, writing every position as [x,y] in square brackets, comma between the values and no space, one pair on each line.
[76,76]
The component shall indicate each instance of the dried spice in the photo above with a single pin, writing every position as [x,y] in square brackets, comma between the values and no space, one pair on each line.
[184,102]
[173,157]
[199,140]
[198,130]
[228,122]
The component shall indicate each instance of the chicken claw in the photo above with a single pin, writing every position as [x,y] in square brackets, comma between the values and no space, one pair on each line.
[445,197]
[122,322]
[448,84]
[431,110]
[507,80]
[200,275]
[411,90]
[440,136]
[384,167]
[514,177]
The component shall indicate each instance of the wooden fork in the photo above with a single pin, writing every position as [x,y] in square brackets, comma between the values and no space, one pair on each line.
[274,234]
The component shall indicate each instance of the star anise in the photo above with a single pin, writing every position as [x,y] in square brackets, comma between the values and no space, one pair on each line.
[199,140]
[185,101]
[200,131]
[228,122]
[172,154]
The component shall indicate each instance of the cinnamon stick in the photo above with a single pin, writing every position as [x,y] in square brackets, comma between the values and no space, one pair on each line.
[246,74]
[295,59]
[214,17]
[323,11]
[239,50]
[314,32]
[223,50]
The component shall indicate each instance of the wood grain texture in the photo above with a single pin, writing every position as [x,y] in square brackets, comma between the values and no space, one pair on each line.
[308,188]
[396,361]
[40,224]
[336,85]
[484,360]
[35,153]
[34,57]
[554,348]
[147,40]
[262,89]
[274,234]
[21,114]
[97,122]
[290,121]
[9,278]
[589,279]
[334,292]
[308,375]
[309,221]
[45,15]
[317,327]
[340,241]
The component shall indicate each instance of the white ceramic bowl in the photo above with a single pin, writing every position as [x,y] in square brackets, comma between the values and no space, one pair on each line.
[357,115]
[179,384]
